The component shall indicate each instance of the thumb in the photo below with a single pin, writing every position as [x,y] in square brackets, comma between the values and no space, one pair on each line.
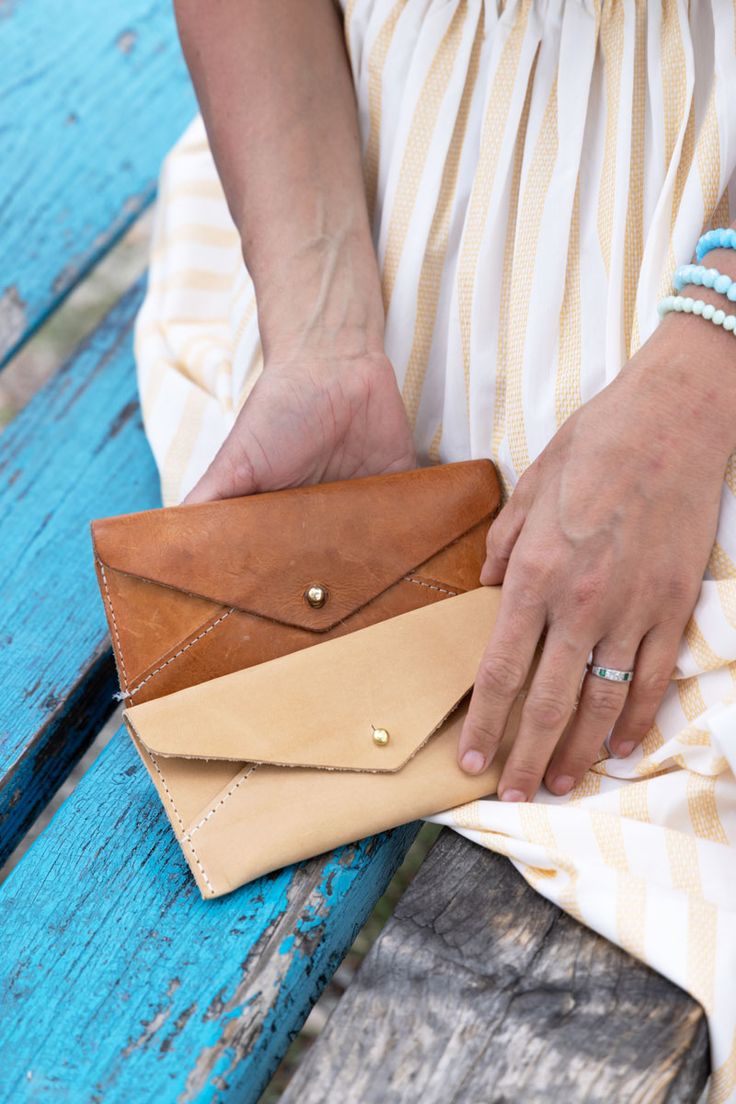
[230,475]
[502,537]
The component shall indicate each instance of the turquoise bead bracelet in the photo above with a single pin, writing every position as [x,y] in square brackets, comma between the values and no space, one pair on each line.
[686,305]
[722,238]
[704,277]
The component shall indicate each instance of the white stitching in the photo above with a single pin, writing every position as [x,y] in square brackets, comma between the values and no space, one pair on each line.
[185,836]
[150,754]
[181,651]
[222,800]
[114,624]
[430,586]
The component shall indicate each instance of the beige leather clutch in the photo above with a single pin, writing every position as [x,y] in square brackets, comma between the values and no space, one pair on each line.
[322,746]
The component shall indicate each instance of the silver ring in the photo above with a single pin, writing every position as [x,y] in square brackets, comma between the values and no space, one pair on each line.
[610,673]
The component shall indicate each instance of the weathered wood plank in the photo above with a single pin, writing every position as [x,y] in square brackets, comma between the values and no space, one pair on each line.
[478,989]
[119,983]
[91,98]
[76,452]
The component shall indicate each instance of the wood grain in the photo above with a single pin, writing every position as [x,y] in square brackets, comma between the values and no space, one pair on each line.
[119,983]
[91,98]
[76,452]
[479,991]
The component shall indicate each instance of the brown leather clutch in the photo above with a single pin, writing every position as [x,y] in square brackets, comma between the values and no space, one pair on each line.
[292,662]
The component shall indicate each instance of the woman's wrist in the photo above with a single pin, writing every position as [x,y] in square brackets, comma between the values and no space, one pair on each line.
[319,293]
[686,374]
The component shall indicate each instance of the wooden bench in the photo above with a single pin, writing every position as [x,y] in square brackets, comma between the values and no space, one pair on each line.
[117,982]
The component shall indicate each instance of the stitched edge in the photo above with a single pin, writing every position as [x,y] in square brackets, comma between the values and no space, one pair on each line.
[185,835]
[150,754]
[222,800]
[430,586]
[114,624]
[181,651]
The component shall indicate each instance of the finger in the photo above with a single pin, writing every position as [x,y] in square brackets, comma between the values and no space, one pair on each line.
[501,675]
[502,537]
[598,708]
[230,474]
[549,705]
[655,663]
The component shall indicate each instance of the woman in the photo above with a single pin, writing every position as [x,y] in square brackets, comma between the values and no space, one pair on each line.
[467,262]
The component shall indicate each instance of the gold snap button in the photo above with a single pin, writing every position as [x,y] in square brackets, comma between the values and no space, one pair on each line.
[380,737]
[315,596]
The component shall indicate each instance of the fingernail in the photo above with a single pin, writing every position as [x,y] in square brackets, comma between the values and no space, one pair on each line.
[562,784]
[624,749]
[513,795]
[473,762]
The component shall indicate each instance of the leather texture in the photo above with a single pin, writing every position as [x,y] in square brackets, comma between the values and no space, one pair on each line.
[231,677]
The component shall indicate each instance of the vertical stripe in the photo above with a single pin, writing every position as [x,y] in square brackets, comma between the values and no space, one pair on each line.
[494,127]
[434,257]
[499,408]
[702,926]
[376,62]
[570,353]
[526,255]
[611,44]
[703,810]
[634,239]
[417,148]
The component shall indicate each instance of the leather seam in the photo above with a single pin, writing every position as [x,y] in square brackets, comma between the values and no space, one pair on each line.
[115,626]
[430,586]
[223,799]
[185,835]
[217,621]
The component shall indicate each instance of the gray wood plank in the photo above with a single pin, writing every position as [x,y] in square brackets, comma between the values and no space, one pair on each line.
[479,991]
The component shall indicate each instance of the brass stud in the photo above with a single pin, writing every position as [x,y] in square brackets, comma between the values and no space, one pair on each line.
[380,737]
[315,596]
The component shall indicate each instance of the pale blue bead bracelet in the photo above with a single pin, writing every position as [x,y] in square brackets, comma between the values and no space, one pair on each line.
[686,305]
[704,277]
[722,238]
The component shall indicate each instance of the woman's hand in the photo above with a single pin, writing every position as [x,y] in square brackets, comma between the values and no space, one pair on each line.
[603,543]
[312,421]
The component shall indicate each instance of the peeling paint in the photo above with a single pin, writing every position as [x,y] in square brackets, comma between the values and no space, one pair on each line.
[13,318]
[126,41]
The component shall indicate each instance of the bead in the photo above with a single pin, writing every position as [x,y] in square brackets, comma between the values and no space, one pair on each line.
[684,304]
[380,737]
[722,284]
[720,238]
[708,278]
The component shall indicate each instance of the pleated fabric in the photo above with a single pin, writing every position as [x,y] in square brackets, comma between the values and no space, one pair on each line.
[535,170]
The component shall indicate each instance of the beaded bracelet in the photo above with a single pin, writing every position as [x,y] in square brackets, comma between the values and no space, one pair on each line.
[704,277]
[722,238]
[686,305]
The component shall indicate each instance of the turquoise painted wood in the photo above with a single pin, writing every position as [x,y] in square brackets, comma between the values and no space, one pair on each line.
[118,983]
[92,95]
[76,452]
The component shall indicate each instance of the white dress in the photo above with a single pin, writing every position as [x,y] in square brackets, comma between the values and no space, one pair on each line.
[535,170]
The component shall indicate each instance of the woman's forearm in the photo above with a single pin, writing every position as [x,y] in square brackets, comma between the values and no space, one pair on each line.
[273,82]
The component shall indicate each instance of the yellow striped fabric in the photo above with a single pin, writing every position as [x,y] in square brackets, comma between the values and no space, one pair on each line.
[534,169]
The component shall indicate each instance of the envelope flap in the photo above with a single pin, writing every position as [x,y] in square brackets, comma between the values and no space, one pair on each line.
[319,707]
[262,553]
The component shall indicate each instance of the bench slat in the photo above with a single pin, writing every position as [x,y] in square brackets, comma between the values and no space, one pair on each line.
[125,985]
[91,98]
[480,989]
[76,452]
